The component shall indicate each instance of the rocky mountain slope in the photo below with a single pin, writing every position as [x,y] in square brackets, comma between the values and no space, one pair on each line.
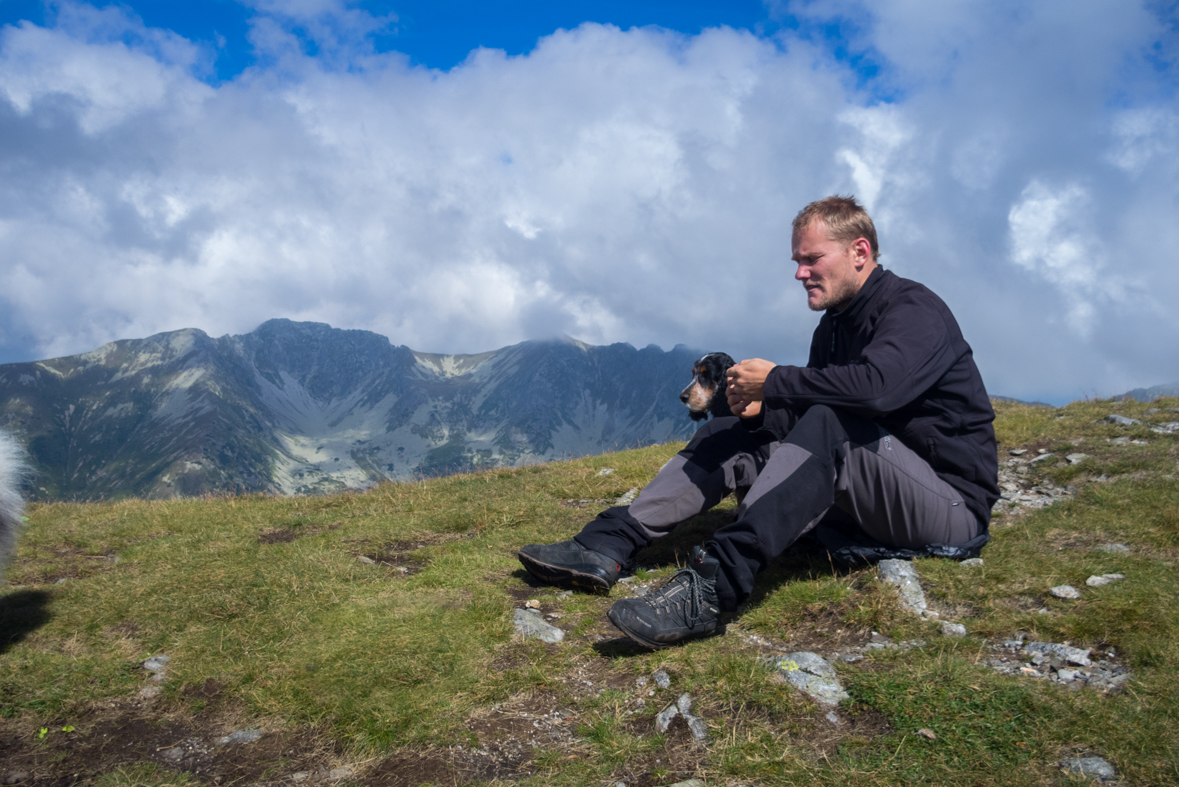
[304,408]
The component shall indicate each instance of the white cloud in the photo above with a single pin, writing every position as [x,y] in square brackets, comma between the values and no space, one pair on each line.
[613,185]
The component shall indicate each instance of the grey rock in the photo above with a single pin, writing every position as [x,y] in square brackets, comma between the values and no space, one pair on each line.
[1018,451]
[661,678]
[1117,549]
[689,783]
[1104,579]
[832,717]
[1041,458]
[665,717]
[339,773]
[1091,767]
[300,776]
[1074,459]
[1067,653]
[1121,420]
[606,471]
[1067,675]
[15,777]
[902,574]
[953,630]
[1065,591]
[1120,440]
[628,497]
[698,727]
[175,754]
[684,703]
[240,736]
[530,625]
[812,675]
[368,561]
[156,663]
[972,562]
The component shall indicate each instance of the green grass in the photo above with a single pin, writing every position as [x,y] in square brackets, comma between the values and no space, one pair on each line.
[267,601]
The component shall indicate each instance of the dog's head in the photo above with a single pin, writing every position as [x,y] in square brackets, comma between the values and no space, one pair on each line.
[705,395]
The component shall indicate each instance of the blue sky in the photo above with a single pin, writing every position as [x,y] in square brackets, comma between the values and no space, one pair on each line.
[461,176]
[434,33]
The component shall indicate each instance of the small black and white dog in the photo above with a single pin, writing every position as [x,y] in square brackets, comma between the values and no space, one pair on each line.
[705,395]
[12,506]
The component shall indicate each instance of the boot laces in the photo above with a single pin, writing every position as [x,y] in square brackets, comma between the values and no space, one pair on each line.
[693,585]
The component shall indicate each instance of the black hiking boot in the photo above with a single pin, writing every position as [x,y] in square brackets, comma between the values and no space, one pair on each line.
[685,607]
[569,564]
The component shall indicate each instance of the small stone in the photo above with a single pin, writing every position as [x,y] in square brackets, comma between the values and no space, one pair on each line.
[1018,451]
[175,754]
[641,681]
[1041,458]
[530,625]
[1067,675]
[662,679]
[927,733]
[1091,767]
[627,497]
[339,773]
[150,692]
[368,561]
[1065,591]
[240,736]
[1104,579]
[532,604]
[972,562]
[1074,459]
[697,726]
[684,703]
[606,471]
[689,783]
[831,717]
[1117,549]
[953,630]
[300,777]
[15,777]
[156,663]
[1120,440]
[1121,420]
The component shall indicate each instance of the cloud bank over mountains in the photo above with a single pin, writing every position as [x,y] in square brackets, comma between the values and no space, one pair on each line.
[1020,158]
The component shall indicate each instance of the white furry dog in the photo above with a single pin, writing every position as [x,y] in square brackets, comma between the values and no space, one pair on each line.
[12,506]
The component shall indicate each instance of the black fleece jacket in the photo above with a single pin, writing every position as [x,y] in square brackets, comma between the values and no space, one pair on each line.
[897,357]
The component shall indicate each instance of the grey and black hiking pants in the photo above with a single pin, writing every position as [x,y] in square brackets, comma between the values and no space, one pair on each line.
[829,459]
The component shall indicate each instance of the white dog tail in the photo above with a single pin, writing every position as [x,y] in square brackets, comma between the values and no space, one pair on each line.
[13,471]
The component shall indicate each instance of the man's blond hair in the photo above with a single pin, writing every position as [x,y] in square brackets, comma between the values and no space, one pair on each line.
[846,221]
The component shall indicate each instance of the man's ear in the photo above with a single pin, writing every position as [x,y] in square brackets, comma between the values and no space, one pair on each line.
[861,252]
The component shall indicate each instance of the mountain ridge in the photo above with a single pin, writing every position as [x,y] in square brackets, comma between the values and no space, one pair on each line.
[302,407]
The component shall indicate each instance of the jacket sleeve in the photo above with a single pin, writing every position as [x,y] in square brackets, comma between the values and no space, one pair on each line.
[911,348]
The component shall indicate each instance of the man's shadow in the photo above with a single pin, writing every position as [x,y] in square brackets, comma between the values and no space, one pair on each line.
[21,613]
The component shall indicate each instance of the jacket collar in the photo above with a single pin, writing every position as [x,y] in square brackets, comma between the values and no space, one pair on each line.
[860,301]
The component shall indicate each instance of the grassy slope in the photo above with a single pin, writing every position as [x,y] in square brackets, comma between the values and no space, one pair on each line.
[267,599]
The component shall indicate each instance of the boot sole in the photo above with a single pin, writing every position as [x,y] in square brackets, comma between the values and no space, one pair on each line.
[573,577]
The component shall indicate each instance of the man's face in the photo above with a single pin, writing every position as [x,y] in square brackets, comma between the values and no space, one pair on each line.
[826,268]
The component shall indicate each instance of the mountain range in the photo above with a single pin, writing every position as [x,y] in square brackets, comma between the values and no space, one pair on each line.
[300,407]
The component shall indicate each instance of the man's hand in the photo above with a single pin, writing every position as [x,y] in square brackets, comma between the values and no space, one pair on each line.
[747,385]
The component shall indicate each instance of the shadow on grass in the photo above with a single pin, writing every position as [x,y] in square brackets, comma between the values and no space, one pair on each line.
[21,614]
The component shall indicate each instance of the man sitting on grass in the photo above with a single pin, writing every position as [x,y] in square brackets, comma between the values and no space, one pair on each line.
[888,422]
